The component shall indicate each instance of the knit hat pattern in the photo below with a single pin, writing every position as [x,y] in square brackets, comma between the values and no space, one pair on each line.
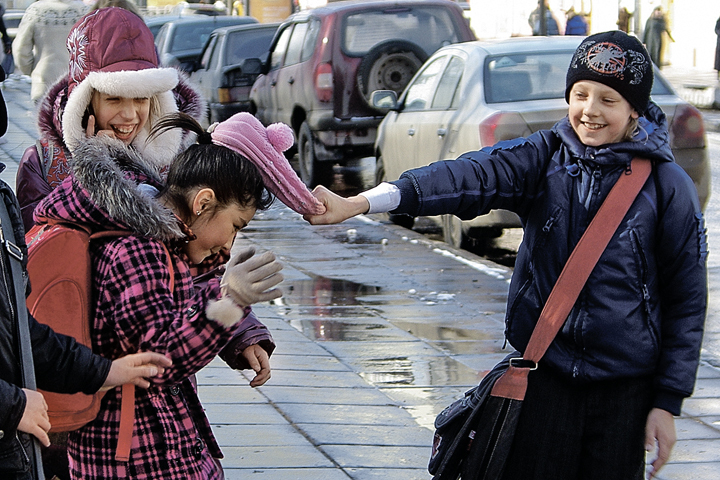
[617,60]
[244,134]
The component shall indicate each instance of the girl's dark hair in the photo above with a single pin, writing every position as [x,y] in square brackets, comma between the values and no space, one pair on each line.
[232,177]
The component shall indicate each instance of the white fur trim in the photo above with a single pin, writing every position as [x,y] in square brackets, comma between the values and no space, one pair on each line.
[225,312]
[164,147]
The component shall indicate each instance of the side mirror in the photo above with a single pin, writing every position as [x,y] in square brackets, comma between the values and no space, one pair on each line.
[251,66]
[384,100]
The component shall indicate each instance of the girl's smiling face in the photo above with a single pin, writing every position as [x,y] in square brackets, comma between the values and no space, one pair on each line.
[120,117]
[599,114]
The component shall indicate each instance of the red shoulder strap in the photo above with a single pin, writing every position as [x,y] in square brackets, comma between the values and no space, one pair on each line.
[572,279]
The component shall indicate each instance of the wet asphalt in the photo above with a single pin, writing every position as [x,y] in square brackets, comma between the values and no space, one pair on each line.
[379,328]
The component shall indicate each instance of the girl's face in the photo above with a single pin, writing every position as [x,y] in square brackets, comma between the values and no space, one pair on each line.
[599,114]
[216,229]
[119,117]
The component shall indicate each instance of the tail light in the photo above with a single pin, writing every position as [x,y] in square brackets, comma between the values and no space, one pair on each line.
[236,87]
[502,126]
[324,82]
[687,129]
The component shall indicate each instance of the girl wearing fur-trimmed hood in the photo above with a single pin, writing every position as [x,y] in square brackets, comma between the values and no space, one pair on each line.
[111,54]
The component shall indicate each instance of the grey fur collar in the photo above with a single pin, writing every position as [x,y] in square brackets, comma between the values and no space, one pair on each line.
[99,164]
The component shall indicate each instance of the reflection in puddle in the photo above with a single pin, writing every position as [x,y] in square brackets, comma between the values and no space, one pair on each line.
[324,291]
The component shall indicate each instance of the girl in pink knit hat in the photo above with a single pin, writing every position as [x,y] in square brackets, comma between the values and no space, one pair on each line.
[213,190]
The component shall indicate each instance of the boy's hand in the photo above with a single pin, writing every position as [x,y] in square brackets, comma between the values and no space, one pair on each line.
[35,420]
[136,368]
[337,208]
[259,361]
[660,428]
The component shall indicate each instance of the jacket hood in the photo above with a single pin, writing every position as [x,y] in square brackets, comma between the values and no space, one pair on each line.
[60,120]
[650,142]
[103,192]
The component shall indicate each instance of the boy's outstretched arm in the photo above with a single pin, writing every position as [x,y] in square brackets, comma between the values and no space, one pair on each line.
[136,368]
[337,208]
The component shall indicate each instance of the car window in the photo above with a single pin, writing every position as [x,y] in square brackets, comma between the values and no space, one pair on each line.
[296,43]
[420,92]
[161,37]
[428,27]
[280,48]
[448,85]
[248,44]
[310,39]
[521,77]
[191,37]
[207,55]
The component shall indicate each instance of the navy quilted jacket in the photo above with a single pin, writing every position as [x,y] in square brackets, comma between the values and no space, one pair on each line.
[642,310]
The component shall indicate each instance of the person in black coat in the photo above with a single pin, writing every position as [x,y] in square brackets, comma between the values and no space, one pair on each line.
[717,47]
[61,364]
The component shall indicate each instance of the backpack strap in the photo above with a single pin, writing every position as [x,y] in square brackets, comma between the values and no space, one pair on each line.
[127,404]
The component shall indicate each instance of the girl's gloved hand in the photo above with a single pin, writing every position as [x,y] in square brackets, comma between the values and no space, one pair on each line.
[249,279]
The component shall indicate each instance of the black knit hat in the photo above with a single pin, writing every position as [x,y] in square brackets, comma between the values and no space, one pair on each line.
[617,60]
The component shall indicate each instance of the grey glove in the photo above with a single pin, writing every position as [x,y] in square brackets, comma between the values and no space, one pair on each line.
[249,279]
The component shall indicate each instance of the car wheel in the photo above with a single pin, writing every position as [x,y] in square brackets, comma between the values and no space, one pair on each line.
[389,66]
[453,231]
[311,171]
[405,221]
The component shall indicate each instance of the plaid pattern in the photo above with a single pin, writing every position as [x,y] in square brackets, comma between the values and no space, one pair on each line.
[136,311]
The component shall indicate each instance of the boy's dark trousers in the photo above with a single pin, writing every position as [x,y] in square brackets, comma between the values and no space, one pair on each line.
[567,431]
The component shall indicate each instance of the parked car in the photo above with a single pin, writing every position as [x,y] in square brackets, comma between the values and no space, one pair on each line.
[180,42]
[229,65]
[475,94]
[325,62]
[11,19]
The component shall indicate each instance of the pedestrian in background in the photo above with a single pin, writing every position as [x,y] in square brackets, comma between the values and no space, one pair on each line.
[576,23]
[551,22]
[126,4]
[653,37]
[39,47]
[627,355]
[8,64]
[623,21]
[717,47]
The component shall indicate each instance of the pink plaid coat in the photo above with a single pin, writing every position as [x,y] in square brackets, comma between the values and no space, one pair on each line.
[135,310]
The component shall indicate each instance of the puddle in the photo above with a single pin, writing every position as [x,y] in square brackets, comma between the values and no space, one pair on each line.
[324,291]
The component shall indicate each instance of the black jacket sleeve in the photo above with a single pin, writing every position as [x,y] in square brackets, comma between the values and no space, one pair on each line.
[63,365]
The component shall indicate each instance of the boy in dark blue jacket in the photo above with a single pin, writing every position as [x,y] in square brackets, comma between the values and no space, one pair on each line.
[627,355]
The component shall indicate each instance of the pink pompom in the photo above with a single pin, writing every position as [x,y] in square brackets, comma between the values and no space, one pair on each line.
[280,136]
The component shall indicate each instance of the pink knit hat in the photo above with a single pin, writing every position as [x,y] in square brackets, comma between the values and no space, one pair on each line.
[244,134]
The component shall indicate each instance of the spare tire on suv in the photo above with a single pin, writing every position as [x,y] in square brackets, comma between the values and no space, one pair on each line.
[389,66]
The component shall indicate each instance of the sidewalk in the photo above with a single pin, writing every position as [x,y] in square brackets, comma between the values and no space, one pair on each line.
[377,331]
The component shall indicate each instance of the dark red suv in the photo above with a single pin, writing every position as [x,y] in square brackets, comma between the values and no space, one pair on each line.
[324,64]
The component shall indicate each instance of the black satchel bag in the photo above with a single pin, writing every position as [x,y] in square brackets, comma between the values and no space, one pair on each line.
[473,435]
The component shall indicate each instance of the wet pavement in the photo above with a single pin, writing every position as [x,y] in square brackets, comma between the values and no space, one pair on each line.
[379,329]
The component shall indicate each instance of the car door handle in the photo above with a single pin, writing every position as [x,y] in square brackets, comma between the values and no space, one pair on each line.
[442,132]
[291,80]
[411,131]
